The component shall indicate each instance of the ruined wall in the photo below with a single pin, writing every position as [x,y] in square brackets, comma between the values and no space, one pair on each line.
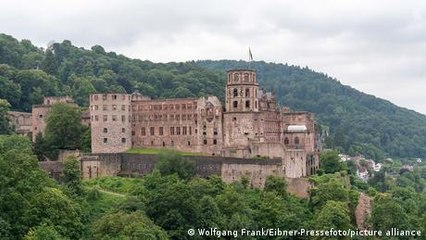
[39,113]
[230,169]
[189,124]
[170,123]
[299,187]
[110,122]
[22,122]
[99,165]
[255,170]
[295,163]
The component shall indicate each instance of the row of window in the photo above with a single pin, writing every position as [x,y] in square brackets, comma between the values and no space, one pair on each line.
[246,92]
[296,141]
[247,104]
[172,143]
[123,140]
[113,107]
[113,97]
[236,77]
[173,131]
[114,118]
[163,117]
[155,107]
[105,130]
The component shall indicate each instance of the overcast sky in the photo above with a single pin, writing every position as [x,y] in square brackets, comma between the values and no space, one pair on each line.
[378,47]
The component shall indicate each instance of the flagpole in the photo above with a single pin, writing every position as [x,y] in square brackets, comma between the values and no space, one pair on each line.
[250,58]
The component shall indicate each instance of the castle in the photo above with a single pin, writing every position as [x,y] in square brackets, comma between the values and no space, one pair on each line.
[248,125]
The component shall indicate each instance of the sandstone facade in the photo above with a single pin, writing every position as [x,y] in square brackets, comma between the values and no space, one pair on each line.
[248,125]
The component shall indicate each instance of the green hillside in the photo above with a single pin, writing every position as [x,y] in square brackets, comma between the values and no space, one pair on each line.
[358,123]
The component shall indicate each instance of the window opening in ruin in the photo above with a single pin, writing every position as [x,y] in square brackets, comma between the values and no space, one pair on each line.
[286,142]
[235,92]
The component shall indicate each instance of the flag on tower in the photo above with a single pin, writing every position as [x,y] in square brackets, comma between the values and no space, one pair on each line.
[250,55]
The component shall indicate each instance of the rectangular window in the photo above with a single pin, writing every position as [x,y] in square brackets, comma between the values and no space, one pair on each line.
[105,130]
[104,107]
[123,107]
[190,130]
[143,133]
[114,118]
[123,140]
[96,118]
[114,107]
[205,141]
[184,130]
[172,131]
[123,130]
[104,97]
[160,131]
[177,130]
[105,140]
[123,118]
[151,131]
[105,118]
[214,141]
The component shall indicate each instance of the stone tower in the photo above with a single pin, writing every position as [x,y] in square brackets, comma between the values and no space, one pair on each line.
[110,122]
[241,91]
[242,109]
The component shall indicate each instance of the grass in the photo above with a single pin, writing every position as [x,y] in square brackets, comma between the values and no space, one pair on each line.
[156,151]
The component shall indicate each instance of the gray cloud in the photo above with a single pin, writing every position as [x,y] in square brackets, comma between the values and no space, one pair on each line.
[378,47]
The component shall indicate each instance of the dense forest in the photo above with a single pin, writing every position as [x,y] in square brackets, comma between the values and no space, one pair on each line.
[357,122]
[170,201]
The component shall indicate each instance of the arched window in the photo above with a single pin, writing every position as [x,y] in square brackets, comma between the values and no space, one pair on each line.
[286,142]
[236,77]
[247,92]
[235,92]
[255,104]
[235,104]
[296,140]
[246,77]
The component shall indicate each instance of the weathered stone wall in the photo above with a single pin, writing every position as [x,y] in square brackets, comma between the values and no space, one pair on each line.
[53,168]
[295,163]
[230,169]
[99,165]
[255,170]
[300,187]
[110,122]
[39,113]
[22,122]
